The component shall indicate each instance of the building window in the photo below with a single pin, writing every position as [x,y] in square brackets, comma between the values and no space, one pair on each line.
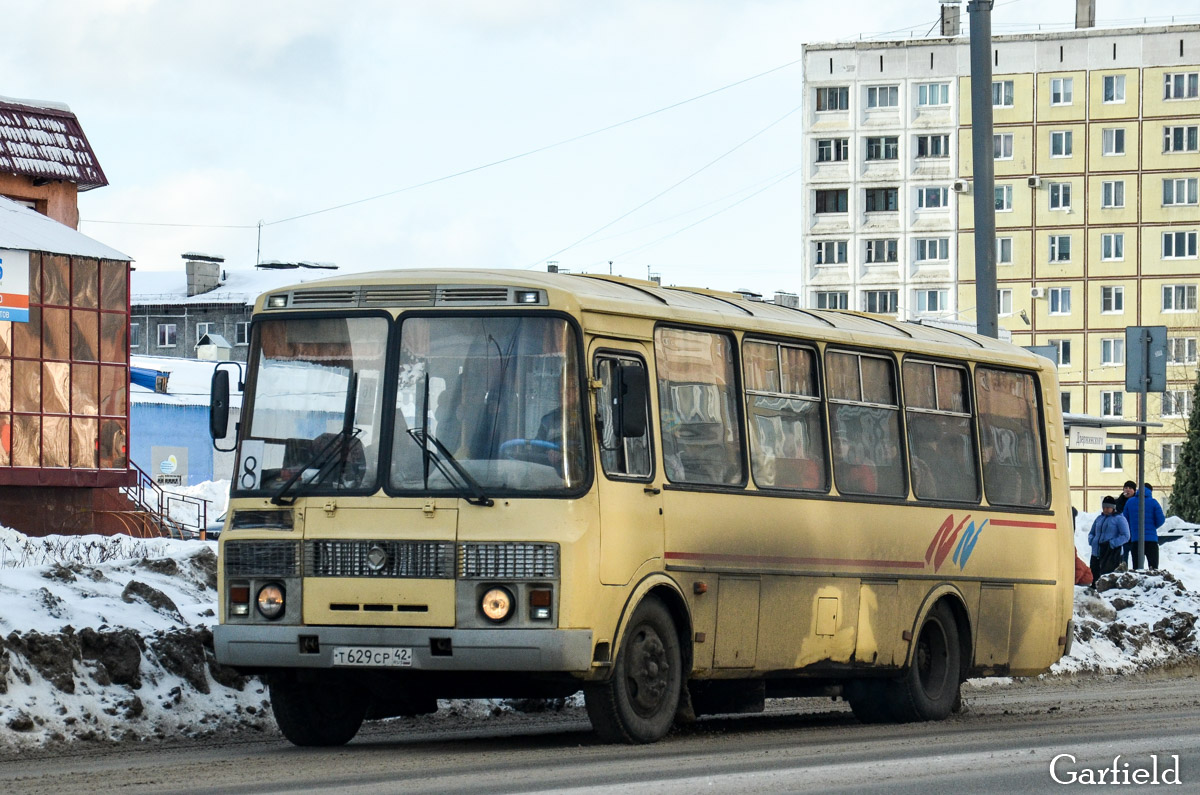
[1061,143]
[931,300]
[1181,85]
[833,300]
[831,252]
[204,328]
[1004,196]
[1112,246]
[1114,88]
[1179,298]
[1181,139]
[1002,93]
[1004,251]
[1111,460]
[1004,301]
[1112,404]
[1060,300]
[166,335]
[241,333]
[933,198]
[932,94]
[883,148]
[1170,456]
[933,248]
[1064,400]
[833,98]
[1060,195]
[831,201]
[1113,141]
[1061,89]
[1179,191]
[1063,350]
[1002,146]
[933,146]
[1060,248]
[1112,351]
[1181,350]
[882,200]
[1112,300]
[1113,194]
[135,335]
[881,302]
[1177,403]
[883,96]
[883,250]
[830,150]
[1179,245]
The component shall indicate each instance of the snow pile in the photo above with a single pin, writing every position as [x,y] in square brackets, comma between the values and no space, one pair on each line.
[1133,620]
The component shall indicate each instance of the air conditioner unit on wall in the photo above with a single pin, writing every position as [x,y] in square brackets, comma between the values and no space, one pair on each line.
[1037,292]
[962,185]
[1035,181]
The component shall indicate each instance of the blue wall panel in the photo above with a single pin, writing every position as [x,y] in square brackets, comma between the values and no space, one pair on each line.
[156,424]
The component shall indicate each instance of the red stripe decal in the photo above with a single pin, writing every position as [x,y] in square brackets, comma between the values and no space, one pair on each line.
[764,559]
[1009,523]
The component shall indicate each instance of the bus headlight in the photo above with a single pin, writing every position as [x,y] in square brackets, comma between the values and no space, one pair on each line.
[497,604]
[270,601]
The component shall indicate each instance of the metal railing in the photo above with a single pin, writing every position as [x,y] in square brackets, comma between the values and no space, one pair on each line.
[174,515]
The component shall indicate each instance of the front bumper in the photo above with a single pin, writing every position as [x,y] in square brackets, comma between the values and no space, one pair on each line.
[263,647]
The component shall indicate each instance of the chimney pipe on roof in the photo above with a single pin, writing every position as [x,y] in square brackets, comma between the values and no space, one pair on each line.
[1085,14]
[950,18]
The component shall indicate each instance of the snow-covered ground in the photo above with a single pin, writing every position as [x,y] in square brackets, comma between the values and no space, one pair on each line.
[109,638]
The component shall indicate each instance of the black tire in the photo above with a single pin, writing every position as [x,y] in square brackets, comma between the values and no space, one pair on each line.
[317,713]
[929,688]
[869,700]
[638,703]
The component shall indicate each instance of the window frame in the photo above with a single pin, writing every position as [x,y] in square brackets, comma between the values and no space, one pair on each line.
[925,141]
[841,99]
[1112,351]
[1112,246]
[1065,145]
[893,297]
[925,191]
[890,196]
[168,335]
[1060,248]
[1002,146]
[819,400]
[1004,198]
[1180,293]
[841,203]
[1003,90]
[1112,194]
[882,148]
[891,92]
[1118,87]
[1004,250]
[1112,299]
[1189,90]
[1112,142]
[926,90]
[890,251]
[1183,244]
[838,150]
[1188,136]
[1190,192]
[843,298]
[1062,91]
[1188,354]
[1004,304]
[1059,299]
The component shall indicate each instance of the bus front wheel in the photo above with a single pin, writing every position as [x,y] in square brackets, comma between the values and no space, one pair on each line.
[929,689]
[638,703]
[317,713]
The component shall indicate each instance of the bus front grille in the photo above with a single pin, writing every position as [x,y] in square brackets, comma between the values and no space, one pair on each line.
[507,561]
[261,558]
[426,560]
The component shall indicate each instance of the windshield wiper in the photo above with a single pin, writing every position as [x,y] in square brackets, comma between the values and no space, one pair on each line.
[323,458]
[443,459]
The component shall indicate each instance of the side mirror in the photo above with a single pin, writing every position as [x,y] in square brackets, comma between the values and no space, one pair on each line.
[632,389]
[218,411]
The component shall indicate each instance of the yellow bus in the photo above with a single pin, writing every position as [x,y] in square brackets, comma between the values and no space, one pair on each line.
[455,483]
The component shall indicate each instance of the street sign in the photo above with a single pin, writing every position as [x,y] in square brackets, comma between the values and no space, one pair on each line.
[1080,438]
[1146,359]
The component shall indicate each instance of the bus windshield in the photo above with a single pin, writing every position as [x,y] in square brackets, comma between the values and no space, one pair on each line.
[488,405]
[314,410]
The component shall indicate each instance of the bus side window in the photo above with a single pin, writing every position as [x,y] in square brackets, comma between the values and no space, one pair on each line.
[864,418]
[620,455]
[1014,471]
[701,438]
[786,429]
[941,439]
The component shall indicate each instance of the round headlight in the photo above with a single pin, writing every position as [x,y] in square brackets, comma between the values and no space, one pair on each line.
[270,601]
[497,604]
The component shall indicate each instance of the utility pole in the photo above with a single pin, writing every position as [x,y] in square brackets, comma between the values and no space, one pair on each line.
[984,178]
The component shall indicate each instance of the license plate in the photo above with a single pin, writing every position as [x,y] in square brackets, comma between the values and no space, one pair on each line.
[372,656]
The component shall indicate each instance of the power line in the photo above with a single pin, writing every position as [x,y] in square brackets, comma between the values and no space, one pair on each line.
[153,223]
[665,191]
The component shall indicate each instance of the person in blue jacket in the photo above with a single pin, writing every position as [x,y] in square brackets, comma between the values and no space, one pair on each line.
[1154,520]
[1108,536]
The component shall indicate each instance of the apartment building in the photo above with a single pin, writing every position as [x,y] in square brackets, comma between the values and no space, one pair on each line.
[1097,158]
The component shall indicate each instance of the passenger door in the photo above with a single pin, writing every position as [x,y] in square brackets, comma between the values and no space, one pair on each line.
[631,522]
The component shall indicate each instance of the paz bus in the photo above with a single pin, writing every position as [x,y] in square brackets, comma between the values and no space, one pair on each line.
[489,483]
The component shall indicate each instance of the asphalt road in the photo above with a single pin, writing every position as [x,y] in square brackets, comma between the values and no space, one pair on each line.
[1004,741]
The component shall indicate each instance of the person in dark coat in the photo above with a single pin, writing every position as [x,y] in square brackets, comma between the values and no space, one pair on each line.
[1108,536]
[1154,520]
[1127,491]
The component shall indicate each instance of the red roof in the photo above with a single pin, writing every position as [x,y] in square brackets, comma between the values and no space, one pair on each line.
[45,141]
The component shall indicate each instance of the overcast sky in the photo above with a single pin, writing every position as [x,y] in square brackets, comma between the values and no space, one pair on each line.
[231,113]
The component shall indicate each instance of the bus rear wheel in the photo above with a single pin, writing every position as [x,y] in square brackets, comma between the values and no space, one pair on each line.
[638,703]
[929,689]
[316,713]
